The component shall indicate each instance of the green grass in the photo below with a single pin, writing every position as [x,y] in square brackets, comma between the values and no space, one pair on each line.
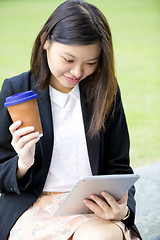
[135,28]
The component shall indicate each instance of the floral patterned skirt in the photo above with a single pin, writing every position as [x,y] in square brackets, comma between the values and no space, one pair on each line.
[39,222]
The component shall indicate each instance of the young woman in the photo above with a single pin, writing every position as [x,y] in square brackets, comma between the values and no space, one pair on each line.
[84,133]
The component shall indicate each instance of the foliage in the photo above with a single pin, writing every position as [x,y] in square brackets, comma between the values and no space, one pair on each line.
[135,28]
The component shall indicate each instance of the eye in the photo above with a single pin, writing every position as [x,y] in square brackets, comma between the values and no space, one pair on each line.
[91,64]
[68,60]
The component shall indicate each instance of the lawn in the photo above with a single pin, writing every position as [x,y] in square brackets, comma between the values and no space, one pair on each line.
[135,28]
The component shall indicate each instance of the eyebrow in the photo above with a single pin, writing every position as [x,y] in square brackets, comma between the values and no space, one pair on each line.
[67,53]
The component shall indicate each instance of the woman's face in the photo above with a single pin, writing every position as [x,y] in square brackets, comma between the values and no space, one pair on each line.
[70,64]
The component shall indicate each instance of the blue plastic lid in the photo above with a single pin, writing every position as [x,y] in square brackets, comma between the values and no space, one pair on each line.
[20,98]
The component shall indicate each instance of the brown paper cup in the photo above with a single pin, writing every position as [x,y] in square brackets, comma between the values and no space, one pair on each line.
[27,112]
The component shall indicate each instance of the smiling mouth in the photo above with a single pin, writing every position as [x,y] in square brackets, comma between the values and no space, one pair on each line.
[72,79]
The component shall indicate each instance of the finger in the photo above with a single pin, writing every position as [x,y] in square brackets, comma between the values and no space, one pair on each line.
[28,149]
[110,199]
[21,132]
[14,126]
[30,144]
[93,207]
[27,138]
[100,202]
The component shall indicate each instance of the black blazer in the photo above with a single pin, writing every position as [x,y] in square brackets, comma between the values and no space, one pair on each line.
[108,154]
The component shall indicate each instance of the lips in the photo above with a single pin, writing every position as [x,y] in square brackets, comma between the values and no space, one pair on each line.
[72,79]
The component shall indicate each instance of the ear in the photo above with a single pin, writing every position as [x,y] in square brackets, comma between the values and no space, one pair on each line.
[46,44]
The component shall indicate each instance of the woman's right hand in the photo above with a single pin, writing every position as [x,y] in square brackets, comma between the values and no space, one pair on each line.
[23,142]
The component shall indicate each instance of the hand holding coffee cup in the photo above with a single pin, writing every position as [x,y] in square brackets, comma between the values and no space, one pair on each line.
[26,132]
[23,141]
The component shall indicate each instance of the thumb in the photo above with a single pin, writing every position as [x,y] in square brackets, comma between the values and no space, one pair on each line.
[123,198]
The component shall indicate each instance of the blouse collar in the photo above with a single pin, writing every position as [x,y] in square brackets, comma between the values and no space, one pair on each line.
[60,98]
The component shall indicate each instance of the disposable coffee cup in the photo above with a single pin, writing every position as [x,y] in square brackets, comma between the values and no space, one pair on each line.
[23,106]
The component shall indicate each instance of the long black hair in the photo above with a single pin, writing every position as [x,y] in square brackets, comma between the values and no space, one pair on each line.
[76,22]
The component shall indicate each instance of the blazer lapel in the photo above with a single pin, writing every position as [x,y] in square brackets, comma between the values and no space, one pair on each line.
[46,141]
[93,144]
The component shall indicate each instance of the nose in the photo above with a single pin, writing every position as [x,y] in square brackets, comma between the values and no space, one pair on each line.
[77,71]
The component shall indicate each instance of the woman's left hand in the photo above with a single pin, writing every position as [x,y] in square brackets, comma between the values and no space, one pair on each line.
[109,209]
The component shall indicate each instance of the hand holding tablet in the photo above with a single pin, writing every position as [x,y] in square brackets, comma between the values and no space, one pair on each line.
[115,185]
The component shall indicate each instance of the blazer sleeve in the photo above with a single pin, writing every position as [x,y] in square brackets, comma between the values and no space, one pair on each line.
[8,157]
[116,151]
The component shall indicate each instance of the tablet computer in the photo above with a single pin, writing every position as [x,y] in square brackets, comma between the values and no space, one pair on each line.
[116,185]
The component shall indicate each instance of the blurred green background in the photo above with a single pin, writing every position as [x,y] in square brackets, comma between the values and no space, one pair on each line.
[135,26]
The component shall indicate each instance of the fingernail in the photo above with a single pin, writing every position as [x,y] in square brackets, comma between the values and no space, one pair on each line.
[102,193]
[92,196]
[85,201]
[19,121]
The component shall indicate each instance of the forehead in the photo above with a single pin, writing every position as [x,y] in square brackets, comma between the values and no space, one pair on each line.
[85,52]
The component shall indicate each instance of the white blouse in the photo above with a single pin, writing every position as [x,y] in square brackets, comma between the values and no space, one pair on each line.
[70,159]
